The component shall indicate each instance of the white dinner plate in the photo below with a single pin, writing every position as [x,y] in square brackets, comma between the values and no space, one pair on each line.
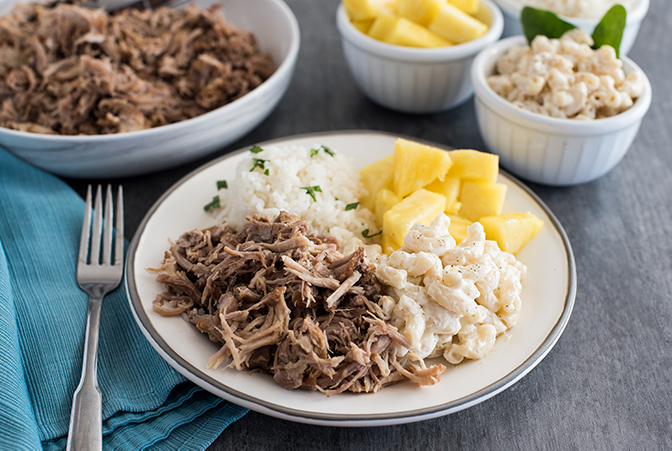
[549,289]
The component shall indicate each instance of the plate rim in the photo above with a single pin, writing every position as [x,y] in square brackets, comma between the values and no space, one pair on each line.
[333,419]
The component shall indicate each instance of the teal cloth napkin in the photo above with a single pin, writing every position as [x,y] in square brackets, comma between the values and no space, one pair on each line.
[146,404]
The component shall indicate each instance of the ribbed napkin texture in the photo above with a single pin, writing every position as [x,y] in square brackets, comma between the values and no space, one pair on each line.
[146,404]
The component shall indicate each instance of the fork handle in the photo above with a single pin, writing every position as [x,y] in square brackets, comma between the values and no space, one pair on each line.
[86,423]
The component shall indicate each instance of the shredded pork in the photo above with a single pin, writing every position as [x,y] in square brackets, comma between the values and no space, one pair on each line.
[286,302]
[70,70]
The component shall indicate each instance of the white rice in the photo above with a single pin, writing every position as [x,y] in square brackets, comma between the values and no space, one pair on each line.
[291,168]
[589,9]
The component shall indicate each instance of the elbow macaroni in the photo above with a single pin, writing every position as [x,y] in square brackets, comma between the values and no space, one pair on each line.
[451,300]
[565,78]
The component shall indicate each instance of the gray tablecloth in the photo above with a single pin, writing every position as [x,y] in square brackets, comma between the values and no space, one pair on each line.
[607,384]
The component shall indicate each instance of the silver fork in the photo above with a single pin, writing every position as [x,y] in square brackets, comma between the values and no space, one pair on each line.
[97,278]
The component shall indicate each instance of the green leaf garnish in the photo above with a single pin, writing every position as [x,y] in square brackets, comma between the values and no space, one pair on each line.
[222,184]
[213,204]
[313,152]
[259,163]
[610,29]
[365,233]
[351,206]
[541,22]
[256,149]
[311,190]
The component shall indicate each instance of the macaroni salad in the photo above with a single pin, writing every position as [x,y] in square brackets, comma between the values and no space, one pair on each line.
[447,299]
[566,78]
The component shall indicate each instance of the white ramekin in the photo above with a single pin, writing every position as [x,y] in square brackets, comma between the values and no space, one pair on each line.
[512,8]
[414,80]
[548,150]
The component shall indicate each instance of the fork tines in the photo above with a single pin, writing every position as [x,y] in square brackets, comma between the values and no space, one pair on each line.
[93,233]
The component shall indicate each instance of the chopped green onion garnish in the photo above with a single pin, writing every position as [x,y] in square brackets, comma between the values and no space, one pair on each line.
[311,190]
[365,233]
[258,163]
[213,204]
[351,206]
[256,149]
[222,184]
[314,152]
[329,151]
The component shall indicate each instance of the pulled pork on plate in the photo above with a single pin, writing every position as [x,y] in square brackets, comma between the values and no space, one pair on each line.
[286,302]
[70,70]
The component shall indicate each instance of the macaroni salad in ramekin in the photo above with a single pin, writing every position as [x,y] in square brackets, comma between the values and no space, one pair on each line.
[566,78]
[555,150]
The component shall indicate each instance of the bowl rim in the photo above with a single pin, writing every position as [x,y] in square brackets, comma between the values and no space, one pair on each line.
[513,8]
[285,67]
[420,55]
[484,93]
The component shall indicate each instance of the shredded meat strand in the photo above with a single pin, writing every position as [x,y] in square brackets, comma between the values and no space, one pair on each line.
[279,301]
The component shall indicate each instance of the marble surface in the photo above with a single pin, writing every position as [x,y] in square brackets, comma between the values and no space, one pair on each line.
[607,384]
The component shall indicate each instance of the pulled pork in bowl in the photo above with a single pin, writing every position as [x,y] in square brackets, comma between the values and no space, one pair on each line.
[70,70]
[205,75]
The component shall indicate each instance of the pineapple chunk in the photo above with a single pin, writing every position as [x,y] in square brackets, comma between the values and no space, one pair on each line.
[448,188]
[511,231]
[411,34]
[416,165]
[453,209]
[419,11]
[363,25]
[468,6]
[421,206]
[383,26]
[375,177]
[481,199]
[472,164]
[388,244]
[385,199]
[362,9]
[458,227]
[455,25]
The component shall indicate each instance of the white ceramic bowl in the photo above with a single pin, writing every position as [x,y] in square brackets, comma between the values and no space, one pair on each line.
[414,80]
[548,150]
[512,9]
[141,152]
